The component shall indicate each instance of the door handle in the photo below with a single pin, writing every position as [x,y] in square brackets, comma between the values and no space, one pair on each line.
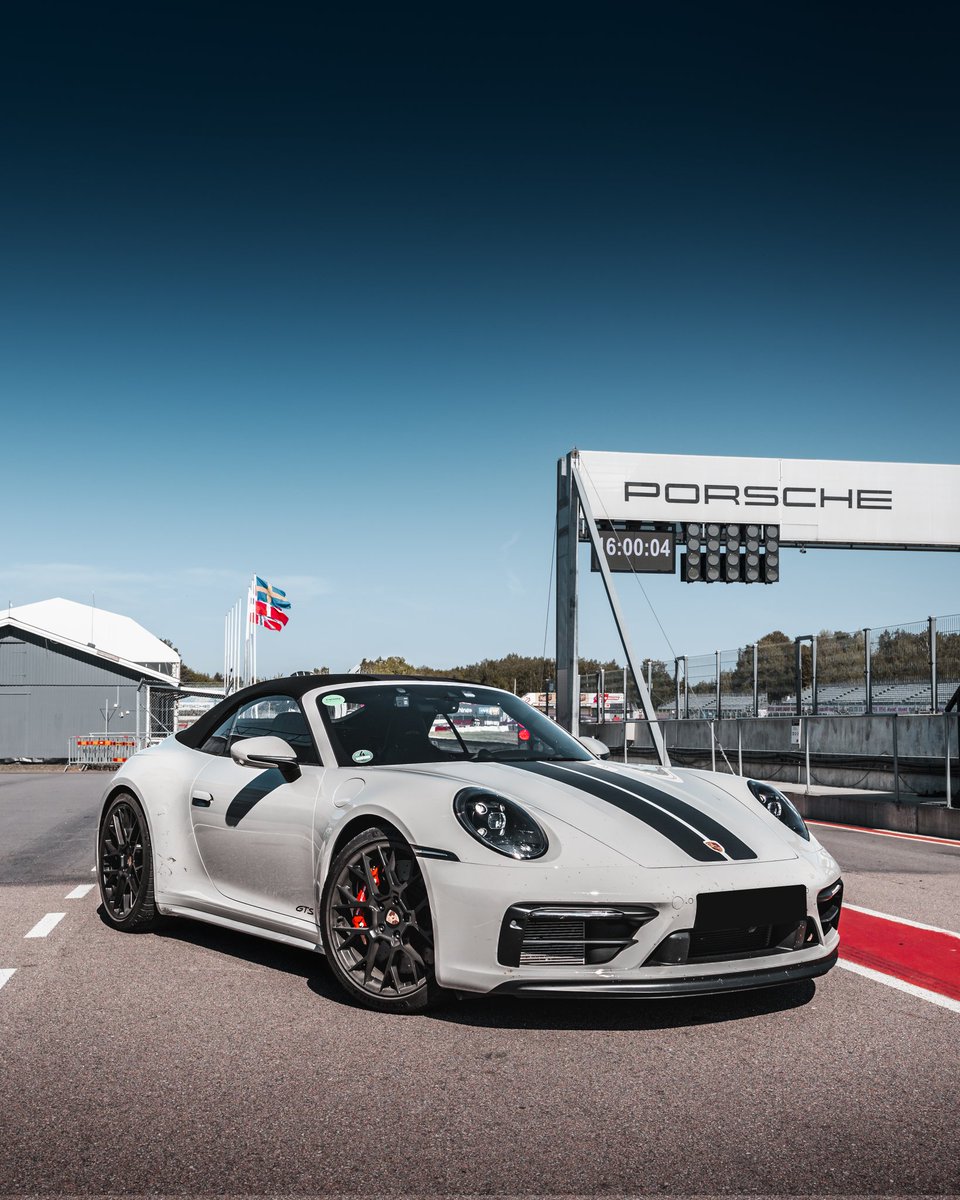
[201,799]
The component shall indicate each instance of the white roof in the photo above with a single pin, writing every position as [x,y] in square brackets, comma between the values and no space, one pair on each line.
[95,629]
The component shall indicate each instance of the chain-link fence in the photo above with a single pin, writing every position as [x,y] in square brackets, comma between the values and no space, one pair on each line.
[900,668]
[908,668]
[700,699]
[948,659]
[776,676]
[841,673]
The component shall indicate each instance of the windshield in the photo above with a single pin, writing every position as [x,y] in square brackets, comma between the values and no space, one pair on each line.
[387,724]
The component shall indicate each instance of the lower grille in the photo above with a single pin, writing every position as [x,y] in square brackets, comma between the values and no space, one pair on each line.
[570,935]
[730,941]
[553,942]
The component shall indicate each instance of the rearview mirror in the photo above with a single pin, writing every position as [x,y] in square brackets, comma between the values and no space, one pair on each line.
[268,751]
[595,746]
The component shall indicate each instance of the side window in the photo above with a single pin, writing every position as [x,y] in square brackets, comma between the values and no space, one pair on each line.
[218,741]
[267,716]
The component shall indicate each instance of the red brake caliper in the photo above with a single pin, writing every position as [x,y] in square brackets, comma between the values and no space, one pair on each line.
[358,920]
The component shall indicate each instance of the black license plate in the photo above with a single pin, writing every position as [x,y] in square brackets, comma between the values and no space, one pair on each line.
[756,906]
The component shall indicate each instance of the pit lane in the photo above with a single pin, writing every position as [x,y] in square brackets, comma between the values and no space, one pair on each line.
[201,1061]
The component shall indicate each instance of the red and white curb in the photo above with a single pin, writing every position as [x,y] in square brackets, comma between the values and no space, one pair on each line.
[892,833]
[920,960]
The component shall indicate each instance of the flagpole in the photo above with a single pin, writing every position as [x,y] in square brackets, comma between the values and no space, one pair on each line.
[236,620]
[251,613]
[250,649]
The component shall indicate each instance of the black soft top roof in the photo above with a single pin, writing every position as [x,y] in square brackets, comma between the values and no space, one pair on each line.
[294,686]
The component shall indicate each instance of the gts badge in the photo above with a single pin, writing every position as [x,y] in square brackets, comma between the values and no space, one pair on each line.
[304,909]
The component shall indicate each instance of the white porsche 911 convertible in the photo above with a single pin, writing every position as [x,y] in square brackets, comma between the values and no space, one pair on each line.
[430,835]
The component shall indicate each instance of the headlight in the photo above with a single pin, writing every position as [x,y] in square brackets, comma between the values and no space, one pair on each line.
[499,824]
[776,802]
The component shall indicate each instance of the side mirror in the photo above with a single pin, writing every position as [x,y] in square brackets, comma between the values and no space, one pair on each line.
[595,746]
[269,751]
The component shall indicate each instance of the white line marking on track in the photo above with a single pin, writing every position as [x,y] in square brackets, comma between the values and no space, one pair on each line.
[872,912]
[906,837]
[45,924]
[78,893]
[5,974]
[901,985]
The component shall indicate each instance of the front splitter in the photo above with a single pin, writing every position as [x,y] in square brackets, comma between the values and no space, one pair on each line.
[698,985]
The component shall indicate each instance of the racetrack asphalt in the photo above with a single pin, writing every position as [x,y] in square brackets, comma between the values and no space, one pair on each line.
[199,1061]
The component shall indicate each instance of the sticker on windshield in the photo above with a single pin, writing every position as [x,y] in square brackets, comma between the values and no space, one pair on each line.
[362,756]
[333,701]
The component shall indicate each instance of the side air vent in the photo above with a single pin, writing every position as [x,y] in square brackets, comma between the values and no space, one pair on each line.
[570,935]
[829,903]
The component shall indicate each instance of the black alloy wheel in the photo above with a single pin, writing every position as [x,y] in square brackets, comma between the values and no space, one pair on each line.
[125,867]
[377,930]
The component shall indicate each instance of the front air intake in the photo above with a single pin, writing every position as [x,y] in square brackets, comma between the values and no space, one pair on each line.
[568,935]
[554,942]
[829,903]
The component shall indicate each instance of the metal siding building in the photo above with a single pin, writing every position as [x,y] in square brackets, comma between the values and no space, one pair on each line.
[54,687]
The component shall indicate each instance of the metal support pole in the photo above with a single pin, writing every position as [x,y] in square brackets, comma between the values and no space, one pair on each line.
[713,749]
[739,746]
[649,676]
[568,528]
[805,738]
[756,681]
[676,684]
[932,634]
[896,763]
[813,674]
[146,719]
[716,655]
[867,680]
[798,675]
[946,754]
[626,713]
[601,697]
[686,689]
[656,733]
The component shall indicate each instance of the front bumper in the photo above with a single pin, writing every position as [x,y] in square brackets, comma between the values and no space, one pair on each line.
[469,902]
[698,985]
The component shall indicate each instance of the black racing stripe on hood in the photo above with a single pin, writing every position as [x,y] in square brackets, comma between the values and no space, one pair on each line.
[680,808]
[637,806]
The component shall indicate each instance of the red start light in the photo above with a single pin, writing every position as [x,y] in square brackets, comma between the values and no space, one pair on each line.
[523,734]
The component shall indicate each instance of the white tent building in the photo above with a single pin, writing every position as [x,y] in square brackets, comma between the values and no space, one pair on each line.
[68,669]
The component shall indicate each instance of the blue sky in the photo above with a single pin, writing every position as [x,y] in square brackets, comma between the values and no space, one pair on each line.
[326,301]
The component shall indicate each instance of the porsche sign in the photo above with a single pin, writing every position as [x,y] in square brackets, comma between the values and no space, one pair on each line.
[815,502]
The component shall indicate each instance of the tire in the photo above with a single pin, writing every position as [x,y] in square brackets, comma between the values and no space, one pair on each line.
[376,925]
[125,867]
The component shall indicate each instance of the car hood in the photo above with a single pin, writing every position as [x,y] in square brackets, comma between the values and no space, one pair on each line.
[655,817]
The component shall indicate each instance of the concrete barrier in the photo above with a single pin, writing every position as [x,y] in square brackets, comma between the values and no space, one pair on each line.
[844,752]
[877,812]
